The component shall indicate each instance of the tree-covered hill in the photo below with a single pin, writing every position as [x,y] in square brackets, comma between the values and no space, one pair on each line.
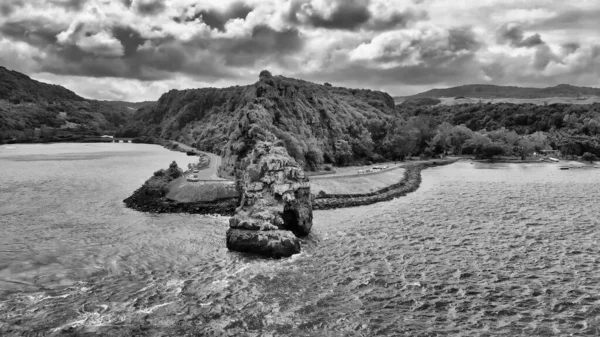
[495,91]
[34,111]
[318,124]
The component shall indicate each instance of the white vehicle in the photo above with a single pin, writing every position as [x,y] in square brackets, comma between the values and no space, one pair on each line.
[193,177]
[195,171]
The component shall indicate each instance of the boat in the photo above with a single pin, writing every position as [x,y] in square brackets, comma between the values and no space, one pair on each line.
[191,153]
[553,159]
[193,178]
[564,167]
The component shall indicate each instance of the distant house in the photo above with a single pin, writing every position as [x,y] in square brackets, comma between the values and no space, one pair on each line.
[106,136]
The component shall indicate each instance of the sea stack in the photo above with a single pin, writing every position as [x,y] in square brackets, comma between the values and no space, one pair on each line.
[276,204]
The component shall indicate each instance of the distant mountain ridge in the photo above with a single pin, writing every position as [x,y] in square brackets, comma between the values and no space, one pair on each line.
[496,91]
[35,111]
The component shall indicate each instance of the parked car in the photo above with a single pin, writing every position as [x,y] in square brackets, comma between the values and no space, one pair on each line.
[193,177]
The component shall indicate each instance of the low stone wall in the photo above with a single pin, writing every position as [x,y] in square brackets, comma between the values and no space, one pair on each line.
[409,183]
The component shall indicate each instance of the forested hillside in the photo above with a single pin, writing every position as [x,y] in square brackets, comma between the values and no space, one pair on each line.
[488,130]
[318,124]
[36,111]
[322,124]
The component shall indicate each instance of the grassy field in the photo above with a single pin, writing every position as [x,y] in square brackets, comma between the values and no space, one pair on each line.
[356,184]
[185,191]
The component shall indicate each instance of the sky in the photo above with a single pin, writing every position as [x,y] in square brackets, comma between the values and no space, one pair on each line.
[136,50]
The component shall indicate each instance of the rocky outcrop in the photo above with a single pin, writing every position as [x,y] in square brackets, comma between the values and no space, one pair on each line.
[276,204]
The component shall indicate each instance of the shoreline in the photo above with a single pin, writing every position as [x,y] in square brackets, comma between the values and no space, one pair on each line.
[409,183]
[144,202]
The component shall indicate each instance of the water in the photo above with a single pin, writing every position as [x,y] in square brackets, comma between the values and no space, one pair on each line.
[478,250]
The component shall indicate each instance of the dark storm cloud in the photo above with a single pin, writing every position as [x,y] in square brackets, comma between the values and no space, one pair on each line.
[130,38]
[347,14]
[463,38]
[263,42]
[514,35]
[570,47]
[532,41]
[8,7]
[152,7]
[217,19]
[72,5]
[32,31]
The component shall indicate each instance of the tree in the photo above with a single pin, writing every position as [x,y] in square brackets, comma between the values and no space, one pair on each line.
[490,150]
[526,147]
[265,74]
[589,157]
[174,172]
[569,148]
[343,152]
[458,136]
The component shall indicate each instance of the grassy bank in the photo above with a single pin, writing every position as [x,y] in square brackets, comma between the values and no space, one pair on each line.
[409,183]
[356,184]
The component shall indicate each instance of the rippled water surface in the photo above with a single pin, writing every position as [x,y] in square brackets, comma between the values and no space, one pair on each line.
[478,250]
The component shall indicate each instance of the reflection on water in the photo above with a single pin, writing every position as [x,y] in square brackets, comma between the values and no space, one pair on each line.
[478,250]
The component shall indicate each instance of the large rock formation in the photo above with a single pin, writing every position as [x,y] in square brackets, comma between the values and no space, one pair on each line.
[276,204]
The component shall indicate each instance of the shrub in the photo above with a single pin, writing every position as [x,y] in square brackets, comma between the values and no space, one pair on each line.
[328,168]
[589,157]
[159,173]
[265,74]
[174,172]
[328,84]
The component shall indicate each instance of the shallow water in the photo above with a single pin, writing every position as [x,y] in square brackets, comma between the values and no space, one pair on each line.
[478,250]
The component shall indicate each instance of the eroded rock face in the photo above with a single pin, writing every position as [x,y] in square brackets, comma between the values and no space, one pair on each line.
[276,204]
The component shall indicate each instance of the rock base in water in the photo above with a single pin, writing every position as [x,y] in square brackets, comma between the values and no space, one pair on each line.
[271,243]
[276,204]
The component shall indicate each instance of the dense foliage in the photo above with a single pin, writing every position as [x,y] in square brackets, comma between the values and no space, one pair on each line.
[318,124]
[35,111]
[324,125]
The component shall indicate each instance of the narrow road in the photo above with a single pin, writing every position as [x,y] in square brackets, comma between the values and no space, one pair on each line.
[210,173]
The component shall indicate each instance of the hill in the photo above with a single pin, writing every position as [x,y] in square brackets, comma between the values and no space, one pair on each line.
[495,91]
[34,111]
[318,124]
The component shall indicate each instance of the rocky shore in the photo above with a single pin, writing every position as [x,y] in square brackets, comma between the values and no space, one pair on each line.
[139,201]
[409,183]
[143,201]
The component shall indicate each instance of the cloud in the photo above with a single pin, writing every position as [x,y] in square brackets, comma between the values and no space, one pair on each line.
[513,34]
[72,5]
[147,7]
[332,14]
[380,44]
[217,19]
